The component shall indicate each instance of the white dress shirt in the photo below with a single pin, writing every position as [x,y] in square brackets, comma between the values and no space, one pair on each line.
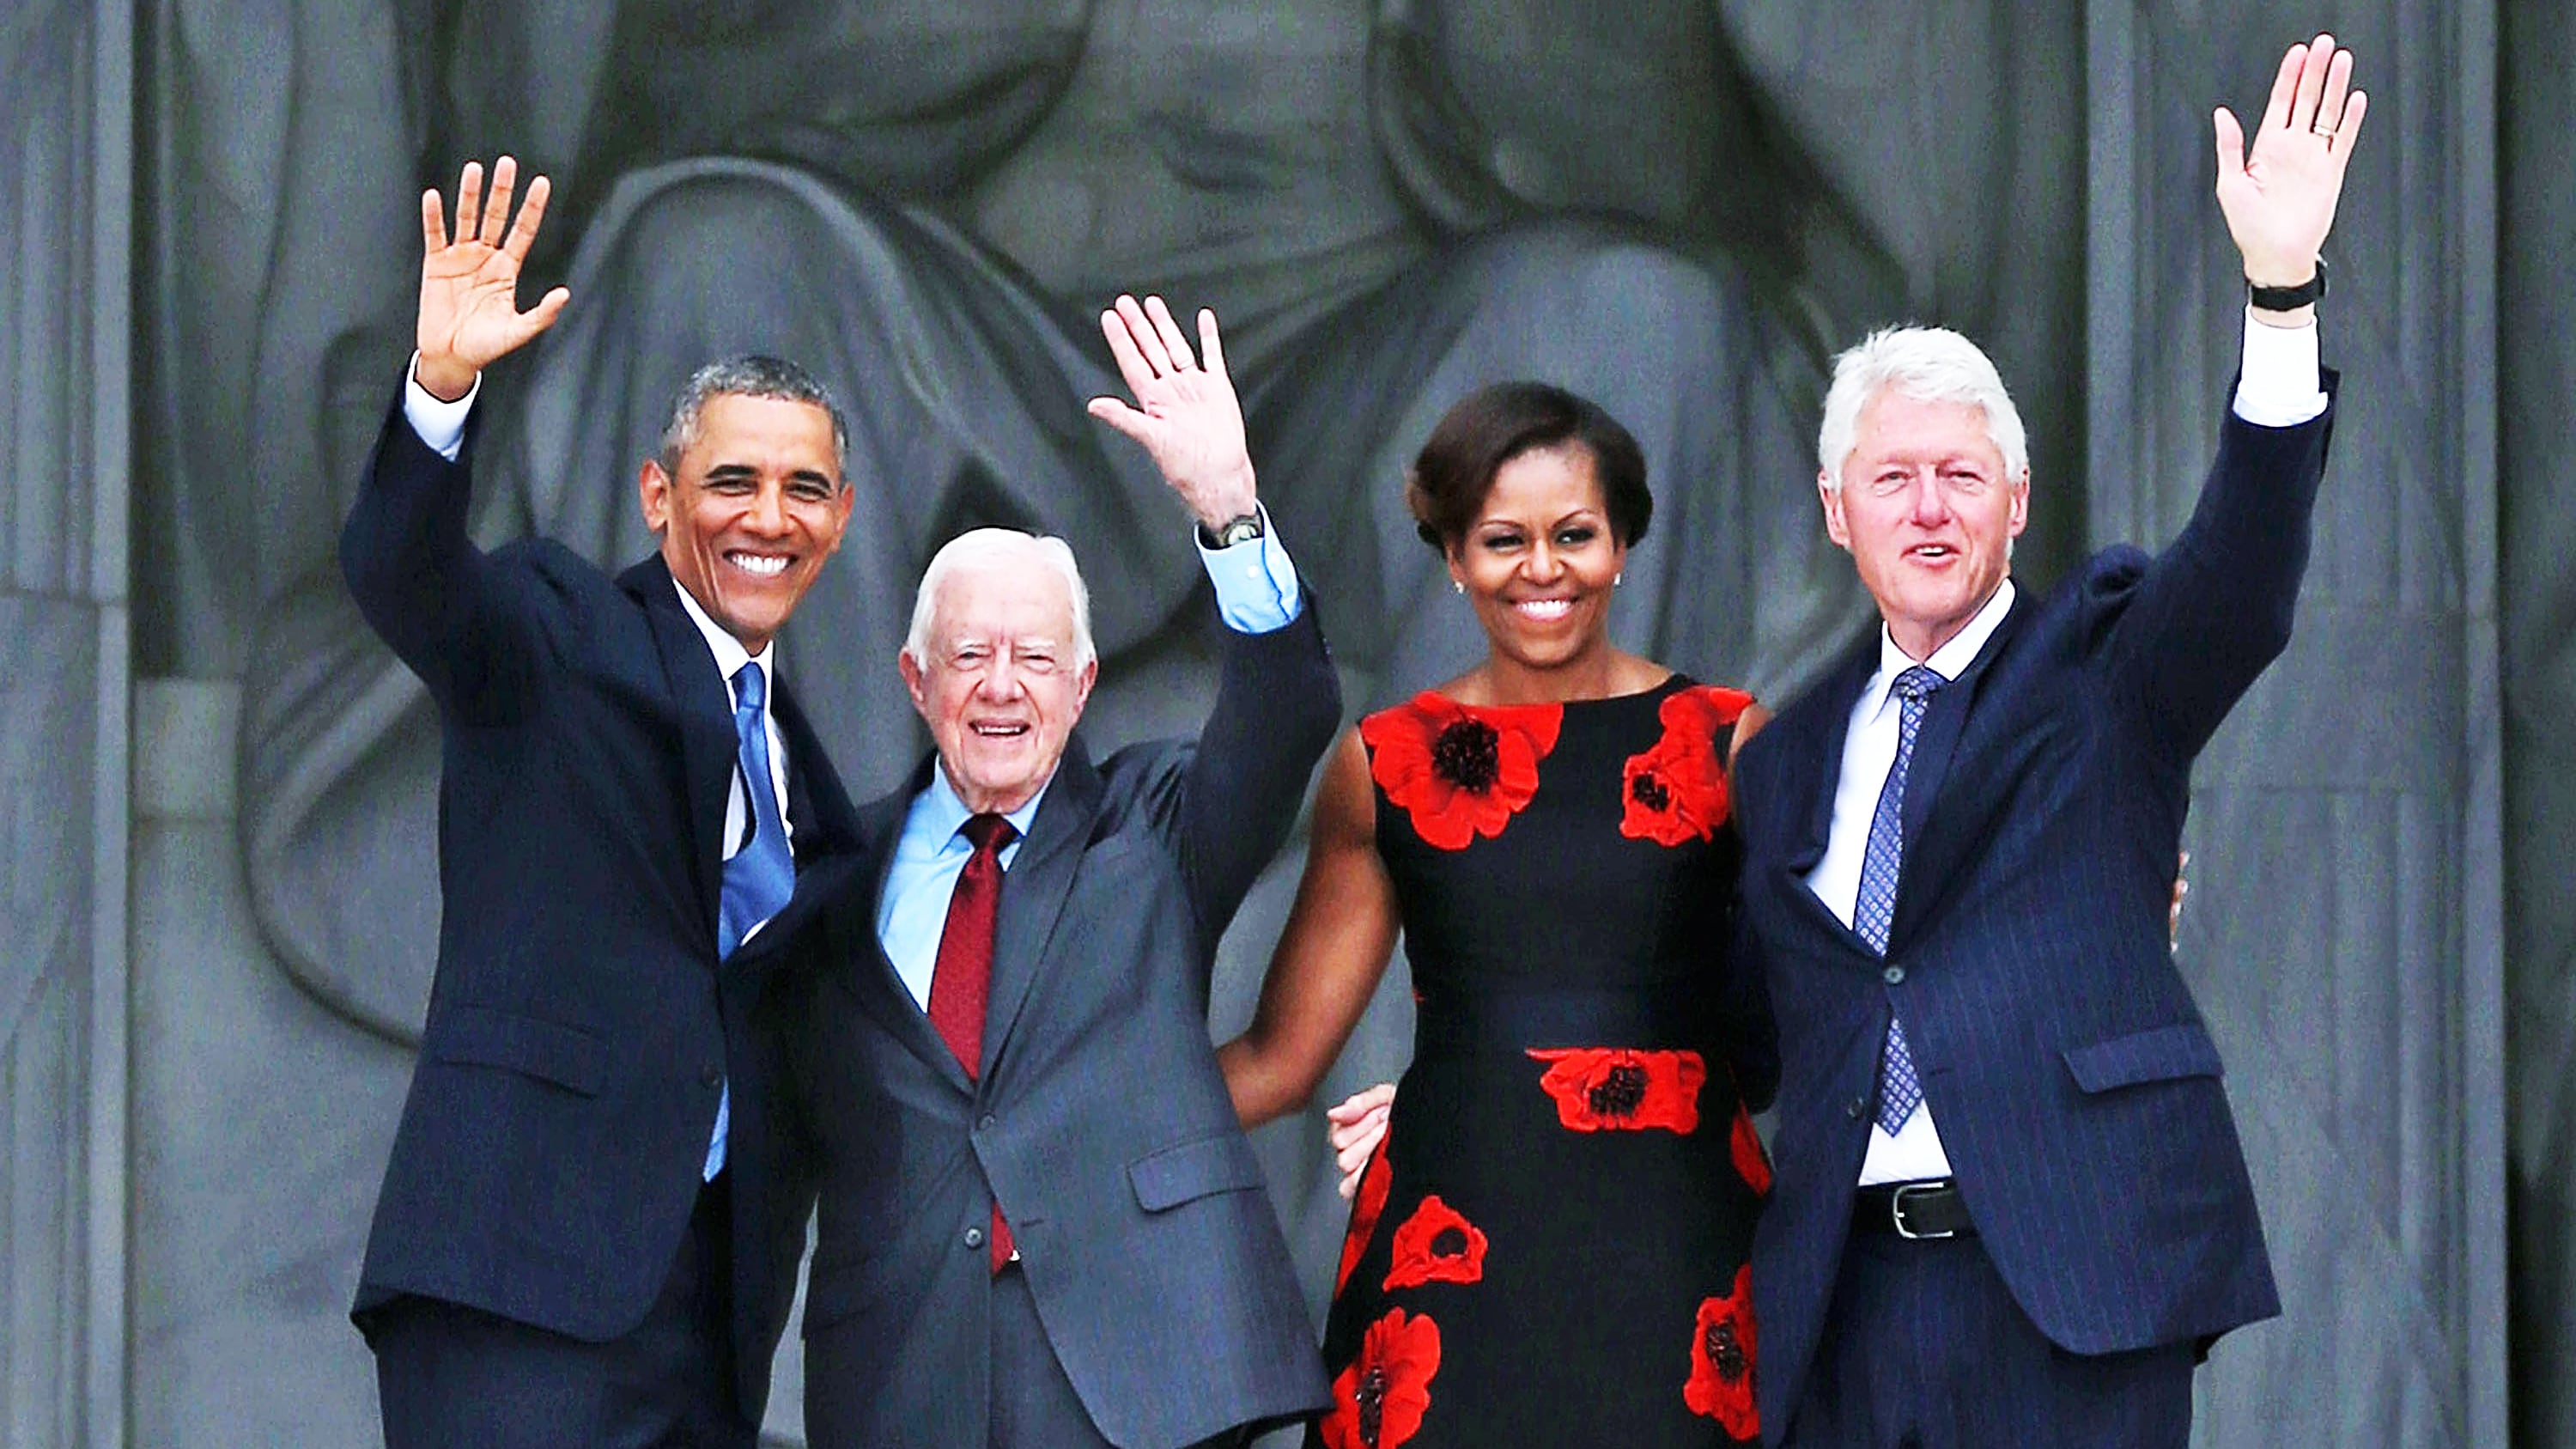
[2278,387]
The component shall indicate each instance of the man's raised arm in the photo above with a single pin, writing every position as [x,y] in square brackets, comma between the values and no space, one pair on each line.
[2217,606]
[404,551]
[1278,700]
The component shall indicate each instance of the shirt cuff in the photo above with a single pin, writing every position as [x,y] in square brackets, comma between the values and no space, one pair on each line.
[2279,385]
[1256,585]
[440,424]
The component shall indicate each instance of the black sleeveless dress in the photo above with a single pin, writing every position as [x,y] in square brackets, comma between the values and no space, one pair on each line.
[1549,1247]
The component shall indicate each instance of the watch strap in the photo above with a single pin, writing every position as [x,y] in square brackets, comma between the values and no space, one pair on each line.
[2289,299]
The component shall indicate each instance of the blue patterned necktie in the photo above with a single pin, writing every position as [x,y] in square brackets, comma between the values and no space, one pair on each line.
[760,877]
[1874,910]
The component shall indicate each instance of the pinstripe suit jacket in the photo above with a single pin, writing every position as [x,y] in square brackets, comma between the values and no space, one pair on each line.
[2076,1088]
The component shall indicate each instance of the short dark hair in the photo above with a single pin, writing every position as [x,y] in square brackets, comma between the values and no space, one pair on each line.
[1490,427]
[751,375]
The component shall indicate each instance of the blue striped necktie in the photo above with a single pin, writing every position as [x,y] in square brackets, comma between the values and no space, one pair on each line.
[1874,910]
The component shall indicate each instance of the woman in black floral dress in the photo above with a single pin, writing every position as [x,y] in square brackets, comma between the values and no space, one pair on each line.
[1549,1245]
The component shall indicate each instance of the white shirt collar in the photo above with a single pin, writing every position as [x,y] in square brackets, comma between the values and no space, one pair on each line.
[1947,661]
[728,650]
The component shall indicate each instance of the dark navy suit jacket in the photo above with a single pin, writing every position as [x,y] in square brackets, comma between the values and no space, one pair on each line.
[2076,1089]
[1099,1120]
[551,1146]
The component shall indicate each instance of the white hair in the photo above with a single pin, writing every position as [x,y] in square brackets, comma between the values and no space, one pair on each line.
[1928,364]
[993,548]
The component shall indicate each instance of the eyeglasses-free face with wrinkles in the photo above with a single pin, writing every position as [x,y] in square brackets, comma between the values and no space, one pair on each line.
[1000,688]
[1928,514]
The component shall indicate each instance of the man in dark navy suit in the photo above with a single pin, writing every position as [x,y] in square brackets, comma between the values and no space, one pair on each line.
[582,1238]
[2011,1208]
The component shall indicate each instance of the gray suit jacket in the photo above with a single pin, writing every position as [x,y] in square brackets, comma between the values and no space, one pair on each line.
[1099,1120]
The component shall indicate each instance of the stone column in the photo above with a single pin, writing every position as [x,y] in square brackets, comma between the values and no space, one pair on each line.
[2345,929]
[65,114]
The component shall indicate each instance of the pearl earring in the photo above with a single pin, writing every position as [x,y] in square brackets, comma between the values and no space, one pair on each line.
[1456,587]
[1619,578]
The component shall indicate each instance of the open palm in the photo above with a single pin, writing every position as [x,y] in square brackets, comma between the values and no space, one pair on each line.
[1186,414]
[469,283]
[2280,199]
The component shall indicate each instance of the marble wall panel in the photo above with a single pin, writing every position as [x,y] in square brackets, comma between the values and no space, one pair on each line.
[64,156]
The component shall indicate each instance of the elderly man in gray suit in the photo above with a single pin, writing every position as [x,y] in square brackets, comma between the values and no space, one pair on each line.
[1040,1222]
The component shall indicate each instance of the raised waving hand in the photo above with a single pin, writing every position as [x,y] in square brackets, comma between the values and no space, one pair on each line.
[2279,199]
[469,280]
[1186,414]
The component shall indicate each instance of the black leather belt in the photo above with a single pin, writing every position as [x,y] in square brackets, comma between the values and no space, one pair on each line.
[1915,1210]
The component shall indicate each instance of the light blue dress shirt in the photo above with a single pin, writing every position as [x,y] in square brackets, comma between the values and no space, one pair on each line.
[1256,592]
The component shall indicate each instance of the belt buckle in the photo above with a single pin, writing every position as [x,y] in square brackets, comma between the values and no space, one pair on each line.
[1896,1212]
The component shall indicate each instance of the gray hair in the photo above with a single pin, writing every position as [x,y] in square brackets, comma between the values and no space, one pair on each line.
[985,548]
[1929,364]
[749,376]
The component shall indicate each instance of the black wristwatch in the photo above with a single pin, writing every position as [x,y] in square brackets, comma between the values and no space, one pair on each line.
[1233,531]
[2289,299]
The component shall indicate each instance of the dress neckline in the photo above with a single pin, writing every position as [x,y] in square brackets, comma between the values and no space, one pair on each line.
[1672,680]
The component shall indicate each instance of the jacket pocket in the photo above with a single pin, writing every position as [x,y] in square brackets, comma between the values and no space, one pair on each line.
[564,1055]
[1175,1175]
[2155,1055]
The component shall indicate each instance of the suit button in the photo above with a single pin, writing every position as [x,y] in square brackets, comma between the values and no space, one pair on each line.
[1855,1108]
[711,1077]
[1893,975]
[974,1237]
[987,1122]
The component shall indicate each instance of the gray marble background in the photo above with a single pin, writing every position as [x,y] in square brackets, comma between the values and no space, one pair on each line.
[213,791]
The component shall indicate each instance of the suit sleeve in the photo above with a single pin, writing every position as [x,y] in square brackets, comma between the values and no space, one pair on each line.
[1745,1022]
[2211,612]
[1746,1025]
[1234,799]
[419,580]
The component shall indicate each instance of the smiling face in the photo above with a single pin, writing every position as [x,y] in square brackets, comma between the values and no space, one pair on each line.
[997,680]
[754,506]
[1928,513]
[1540,559]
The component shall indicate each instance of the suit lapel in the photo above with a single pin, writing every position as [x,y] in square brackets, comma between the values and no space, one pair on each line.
[1799,816]
[1817,767]
[1945,721]
[705,708]
[856,959]
[816,805]
[1944,718]
[1034,891]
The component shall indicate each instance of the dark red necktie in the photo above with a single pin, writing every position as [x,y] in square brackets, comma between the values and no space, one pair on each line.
[961,980]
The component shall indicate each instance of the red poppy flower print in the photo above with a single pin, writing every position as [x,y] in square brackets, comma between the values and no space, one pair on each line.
[1366,1207]
[1751,1162]
[1459,772]
[1676,791]
[1379,1401]
[1436,1245]
[1721,1376]
[1612,1089]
